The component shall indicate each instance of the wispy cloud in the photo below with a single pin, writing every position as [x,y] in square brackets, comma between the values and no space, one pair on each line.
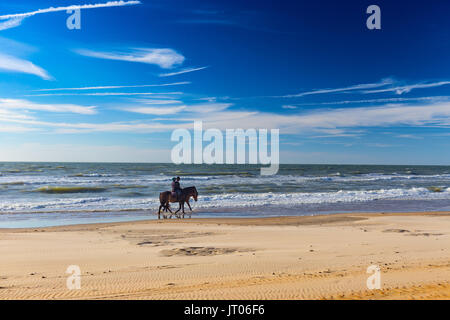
[409,88]
[14,64]
[409,136]
[344,122]
[185,70]
[15,129]
[164,58]
[116,87]
[67,152]
[385,85]
[382,83]
[322,120]
[14,20]
[18,104]
[72,7]
[103,94]
[380,145]
[155,110]
[197,109]
[289,107]
[158,101]
[12,116]
[11,23]
[209,107]
[336,133]
[381,100]
[248,20]
[435,114]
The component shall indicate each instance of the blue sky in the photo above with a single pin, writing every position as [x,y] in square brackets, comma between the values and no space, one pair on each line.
[115,89]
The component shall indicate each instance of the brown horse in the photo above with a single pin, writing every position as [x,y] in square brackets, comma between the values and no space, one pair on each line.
[165,198]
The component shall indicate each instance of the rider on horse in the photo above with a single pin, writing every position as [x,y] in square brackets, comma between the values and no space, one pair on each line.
[176,187]
[179,195]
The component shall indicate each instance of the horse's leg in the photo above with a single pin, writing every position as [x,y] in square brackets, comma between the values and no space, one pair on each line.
[178,207]
[164,210]
[189,205]
[167,208]
[159,212]
[179,216]
[182,205]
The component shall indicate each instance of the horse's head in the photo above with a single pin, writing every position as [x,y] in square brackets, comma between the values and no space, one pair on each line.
[195,196]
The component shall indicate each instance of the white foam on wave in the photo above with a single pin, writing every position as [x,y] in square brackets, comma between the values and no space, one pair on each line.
[104,179]
[261,199]
[90,180]
[77,204]
[229,200]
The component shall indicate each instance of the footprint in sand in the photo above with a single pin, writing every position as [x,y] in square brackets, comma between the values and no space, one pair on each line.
[396,230]
[199,251]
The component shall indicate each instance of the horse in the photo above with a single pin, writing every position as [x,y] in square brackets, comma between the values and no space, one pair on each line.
[165,198]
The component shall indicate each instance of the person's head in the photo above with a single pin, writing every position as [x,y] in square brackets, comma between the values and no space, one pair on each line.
[174,179]
[178,178]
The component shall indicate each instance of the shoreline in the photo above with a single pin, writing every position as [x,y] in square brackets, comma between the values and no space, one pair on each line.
[286,257]
[230,220]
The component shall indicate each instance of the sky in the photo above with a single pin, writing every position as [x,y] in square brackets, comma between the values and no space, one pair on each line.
[115,89]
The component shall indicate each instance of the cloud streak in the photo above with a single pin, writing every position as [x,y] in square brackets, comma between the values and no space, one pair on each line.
[409,88]
[14,20]
[103,94]
[164,58]
[186,70]
[382,83]
[343,122]
[16,129]
[384,86]
[163,109]
[18,104]
[116,87]
[11,23]
[13,64]
[156,110]
[158,101]
[381,100]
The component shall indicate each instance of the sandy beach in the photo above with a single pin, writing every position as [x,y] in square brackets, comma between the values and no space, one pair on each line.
[308,257]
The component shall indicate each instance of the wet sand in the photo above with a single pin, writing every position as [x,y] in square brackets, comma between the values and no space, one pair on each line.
[308,257]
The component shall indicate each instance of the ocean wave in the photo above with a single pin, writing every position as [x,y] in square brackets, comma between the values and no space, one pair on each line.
[100,179]
[261,199]
[214,173]
[13,183]
[54,205]
[129,186]
[229,200]
[62,190]
[335,177]
[90,180]
[95,175]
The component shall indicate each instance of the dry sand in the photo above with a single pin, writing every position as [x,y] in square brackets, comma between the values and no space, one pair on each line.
[320,257]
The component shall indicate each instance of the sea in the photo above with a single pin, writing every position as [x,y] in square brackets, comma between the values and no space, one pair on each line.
[52,194]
